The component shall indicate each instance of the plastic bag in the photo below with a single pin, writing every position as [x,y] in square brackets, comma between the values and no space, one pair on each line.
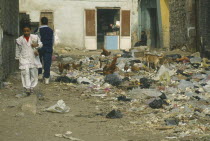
[59,107]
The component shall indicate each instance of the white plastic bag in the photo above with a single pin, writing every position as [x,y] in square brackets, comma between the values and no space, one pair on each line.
[59,107]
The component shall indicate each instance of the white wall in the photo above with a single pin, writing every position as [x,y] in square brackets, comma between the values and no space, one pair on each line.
[69,16]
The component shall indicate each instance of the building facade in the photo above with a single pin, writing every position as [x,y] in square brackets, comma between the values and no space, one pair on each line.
[9,10]
[154,20]
[85,23]
[182,24]
[203,26]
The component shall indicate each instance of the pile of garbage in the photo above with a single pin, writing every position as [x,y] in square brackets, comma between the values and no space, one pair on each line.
[179,90]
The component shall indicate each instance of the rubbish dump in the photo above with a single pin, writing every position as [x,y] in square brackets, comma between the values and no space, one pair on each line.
[174,93]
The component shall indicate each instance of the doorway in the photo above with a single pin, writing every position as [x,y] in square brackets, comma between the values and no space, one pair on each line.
[108,28]
[149,22]
[154,27]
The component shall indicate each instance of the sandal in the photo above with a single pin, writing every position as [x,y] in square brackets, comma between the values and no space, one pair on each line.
[28,92]
[31,91]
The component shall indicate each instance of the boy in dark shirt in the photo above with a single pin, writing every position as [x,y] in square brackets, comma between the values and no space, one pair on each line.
[143,41]
[45,53]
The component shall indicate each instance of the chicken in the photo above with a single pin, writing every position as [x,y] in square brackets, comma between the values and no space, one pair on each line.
[126,67]
[135,68]
[77,66]
[63,67]
[105,52]
[110,68]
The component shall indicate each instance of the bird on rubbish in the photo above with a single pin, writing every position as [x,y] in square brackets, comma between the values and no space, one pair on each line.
[62,67]
[77,66]
[126,67]
[105,52]
[110,68]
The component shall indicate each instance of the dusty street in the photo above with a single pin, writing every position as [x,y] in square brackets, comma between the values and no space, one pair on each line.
[112,70]
[24,119]
[84,118]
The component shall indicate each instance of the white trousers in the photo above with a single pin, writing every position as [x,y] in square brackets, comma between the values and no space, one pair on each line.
[29,78]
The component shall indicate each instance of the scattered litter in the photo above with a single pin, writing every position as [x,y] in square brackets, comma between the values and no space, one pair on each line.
[174,95]
[163,96]
[127,54]
[151,92]
[156,104]
[172,122]
[99,95]
[195,60]
[164,71]
[21,95]
[123,98]
[60,107]
[67,136]
[67,59]
[83,80]
[174,56]
[72,138]
[145,83]
[185,84]
[164,128]
[113,79]
[114,114]
[40,96]
[65,79]
[6,84]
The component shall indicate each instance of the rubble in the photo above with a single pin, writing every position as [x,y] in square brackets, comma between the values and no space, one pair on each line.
[173,97]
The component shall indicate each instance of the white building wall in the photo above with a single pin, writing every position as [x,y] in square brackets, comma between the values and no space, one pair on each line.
[69,16]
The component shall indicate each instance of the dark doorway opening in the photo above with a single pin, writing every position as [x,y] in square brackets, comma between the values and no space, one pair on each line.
[154,27]
[149,22]
[107,20]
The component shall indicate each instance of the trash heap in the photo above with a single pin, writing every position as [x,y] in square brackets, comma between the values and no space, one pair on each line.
[175,98]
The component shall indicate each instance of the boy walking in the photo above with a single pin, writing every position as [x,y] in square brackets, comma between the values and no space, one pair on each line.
[46,35]
[28,57]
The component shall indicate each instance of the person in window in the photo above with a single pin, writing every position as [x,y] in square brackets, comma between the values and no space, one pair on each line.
[110,28]
[143,41]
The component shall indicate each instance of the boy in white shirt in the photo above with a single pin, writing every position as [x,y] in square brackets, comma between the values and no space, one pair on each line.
[28,56]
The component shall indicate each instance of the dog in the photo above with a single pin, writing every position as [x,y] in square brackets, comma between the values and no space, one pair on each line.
[150,58]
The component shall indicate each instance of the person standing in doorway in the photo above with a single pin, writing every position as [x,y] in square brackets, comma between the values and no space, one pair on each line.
[47,38]
[143,41]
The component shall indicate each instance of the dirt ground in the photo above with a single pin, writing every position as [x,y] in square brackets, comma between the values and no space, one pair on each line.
[82,119]
[86,119]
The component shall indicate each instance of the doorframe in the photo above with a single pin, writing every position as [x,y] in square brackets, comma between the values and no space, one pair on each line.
[120,10]
[159,23]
